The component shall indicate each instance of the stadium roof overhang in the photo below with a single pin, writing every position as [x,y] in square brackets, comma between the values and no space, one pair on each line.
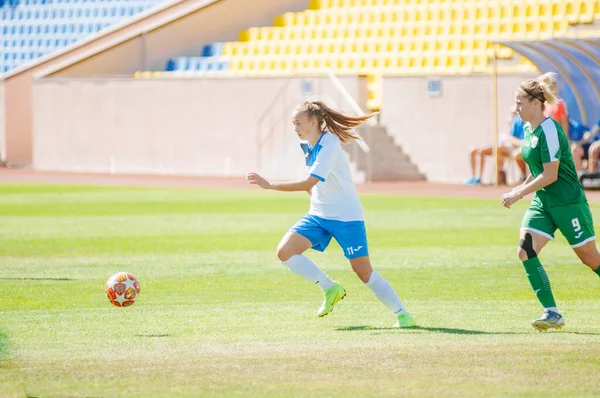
[577,61]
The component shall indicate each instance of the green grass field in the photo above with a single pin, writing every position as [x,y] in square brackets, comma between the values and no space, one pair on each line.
[219,316]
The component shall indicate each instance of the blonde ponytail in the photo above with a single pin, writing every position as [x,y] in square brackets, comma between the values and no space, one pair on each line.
[541,88]
[546,81]
[335,122]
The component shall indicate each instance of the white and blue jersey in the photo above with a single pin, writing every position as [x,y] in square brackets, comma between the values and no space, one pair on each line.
[335,210]
[334,197]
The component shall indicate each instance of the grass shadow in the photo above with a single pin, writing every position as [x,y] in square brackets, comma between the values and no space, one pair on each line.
[153,335]
[426,329]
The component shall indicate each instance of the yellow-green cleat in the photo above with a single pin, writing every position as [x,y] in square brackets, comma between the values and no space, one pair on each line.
[406,321]
[332,295]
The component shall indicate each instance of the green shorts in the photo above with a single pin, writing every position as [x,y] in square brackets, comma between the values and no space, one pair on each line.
[574,222]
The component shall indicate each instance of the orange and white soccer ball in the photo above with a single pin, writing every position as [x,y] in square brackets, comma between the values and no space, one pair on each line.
[122,289]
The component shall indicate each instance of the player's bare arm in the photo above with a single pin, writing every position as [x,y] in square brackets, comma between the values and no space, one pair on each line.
[547,177]
[290,186]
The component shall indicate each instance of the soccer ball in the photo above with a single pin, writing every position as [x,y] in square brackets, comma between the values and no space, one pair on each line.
[122,289]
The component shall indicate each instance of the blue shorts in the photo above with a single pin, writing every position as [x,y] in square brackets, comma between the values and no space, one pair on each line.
[351,235]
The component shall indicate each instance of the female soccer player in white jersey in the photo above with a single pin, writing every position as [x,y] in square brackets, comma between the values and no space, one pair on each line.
[335,210]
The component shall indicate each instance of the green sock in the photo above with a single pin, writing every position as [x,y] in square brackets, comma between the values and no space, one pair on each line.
[597,271]
[539,282]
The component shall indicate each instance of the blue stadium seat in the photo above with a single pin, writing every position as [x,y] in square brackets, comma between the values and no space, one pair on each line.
[177,64]
[32,28]
[212,50]
[203,64]
[223,66]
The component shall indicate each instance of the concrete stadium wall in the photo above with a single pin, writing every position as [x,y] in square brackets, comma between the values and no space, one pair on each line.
[231,126]
[207,127]
[179,28]
[438,132]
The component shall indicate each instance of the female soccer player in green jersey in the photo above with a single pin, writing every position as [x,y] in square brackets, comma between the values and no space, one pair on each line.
[559,201]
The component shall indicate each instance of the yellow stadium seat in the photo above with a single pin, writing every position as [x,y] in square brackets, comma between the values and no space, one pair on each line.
[434,13]
[532,30]
[546,29]
[312,18]
[289,18]
[466,64]
[415,63]
[283,48]
[336,4]
[481,60]
[264,33]
[483,12]
[506,11]
[348,3]
[559,10]
[441,44]
[249,34]
[320,48]
[587,12]
[453,62]
[459,12]
[341,16]
[561,27]
[545,9]
[398,65]
[318,32]
[243,49]
[271,49]
[294,33]
[467,44]
[505,30]
[401,36]
[229,48]
[331,17]
[378,62]
[573,11]
[252,49]
[504,52]
[386,15]
[517,11]
[532,11]
[346,63]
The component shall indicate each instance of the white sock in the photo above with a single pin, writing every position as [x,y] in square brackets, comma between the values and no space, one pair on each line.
[300,265]
[385,293]
[553,309]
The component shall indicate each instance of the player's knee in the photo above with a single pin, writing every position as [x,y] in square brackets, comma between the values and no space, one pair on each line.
[591,260]
[283,253]
[364,274]
[522,254]
[525,250]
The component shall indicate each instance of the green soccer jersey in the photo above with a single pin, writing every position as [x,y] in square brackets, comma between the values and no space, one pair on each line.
[548,143]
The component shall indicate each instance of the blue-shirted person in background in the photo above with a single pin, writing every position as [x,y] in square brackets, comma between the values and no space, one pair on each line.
[510,147]
[585,143]
[335,209]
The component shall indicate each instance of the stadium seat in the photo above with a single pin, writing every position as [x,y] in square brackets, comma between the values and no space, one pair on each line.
[47,25]
[375,37]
